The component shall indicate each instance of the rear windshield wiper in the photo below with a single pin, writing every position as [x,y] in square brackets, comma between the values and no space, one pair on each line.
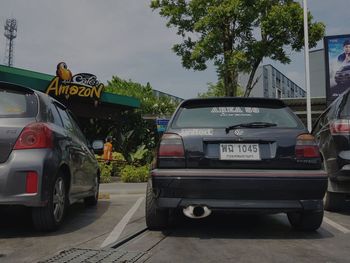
[256,124]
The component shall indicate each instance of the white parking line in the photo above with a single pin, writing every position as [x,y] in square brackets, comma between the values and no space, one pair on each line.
[336,225]
[118,229]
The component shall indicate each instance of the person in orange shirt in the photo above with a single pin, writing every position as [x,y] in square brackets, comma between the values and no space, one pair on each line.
[107,150]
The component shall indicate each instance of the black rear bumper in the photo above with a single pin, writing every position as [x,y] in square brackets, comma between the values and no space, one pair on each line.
[240,190]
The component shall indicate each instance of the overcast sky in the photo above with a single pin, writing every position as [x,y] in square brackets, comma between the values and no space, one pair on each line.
[125,38]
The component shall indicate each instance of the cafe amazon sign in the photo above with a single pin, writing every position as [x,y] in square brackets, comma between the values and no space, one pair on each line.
[65,84]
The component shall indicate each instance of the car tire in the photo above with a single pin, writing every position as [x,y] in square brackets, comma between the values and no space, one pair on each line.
[51,216]
[334,201]
[156,219]
[92,200]
[306,221]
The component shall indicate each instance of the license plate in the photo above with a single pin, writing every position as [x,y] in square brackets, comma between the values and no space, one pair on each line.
[239,151]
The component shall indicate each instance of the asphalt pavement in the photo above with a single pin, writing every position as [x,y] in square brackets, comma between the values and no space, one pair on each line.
[117,227]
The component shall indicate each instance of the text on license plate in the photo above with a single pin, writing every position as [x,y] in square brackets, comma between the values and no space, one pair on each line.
[239,151]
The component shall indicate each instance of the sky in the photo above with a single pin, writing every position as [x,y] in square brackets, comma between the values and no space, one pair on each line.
[126,38]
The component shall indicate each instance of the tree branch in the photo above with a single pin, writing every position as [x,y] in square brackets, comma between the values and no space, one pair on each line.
[250,86]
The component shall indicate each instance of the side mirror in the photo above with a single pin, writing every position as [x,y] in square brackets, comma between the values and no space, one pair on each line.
[97,146]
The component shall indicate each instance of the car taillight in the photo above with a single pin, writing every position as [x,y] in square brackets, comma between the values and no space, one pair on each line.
[306,147]
[31,183]
[171,146]
[340,127]
[34,136]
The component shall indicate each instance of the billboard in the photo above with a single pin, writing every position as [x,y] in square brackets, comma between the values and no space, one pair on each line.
[337,58]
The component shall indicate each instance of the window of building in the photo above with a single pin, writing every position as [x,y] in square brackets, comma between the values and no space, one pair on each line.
[278,83]
[279,93]
[278,76]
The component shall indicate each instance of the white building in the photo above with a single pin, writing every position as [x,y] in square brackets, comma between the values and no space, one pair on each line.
[271,83]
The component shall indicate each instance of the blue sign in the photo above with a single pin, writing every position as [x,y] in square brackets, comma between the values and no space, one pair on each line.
[162,124]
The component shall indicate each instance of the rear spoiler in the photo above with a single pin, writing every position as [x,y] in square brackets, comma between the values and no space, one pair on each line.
[233,101]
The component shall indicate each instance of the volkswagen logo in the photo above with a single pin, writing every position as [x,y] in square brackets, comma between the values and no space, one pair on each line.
[238,132]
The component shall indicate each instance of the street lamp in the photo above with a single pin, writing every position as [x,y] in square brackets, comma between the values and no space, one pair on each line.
[307,68]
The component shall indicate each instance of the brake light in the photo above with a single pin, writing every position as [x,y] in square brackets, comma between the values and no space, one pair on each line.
[340,127]
[306,147]
[171,146]
[34,136]
[31,183]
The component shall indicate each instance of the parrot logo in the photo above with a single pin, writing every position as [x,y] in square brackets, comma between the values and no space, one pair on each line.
[63,72]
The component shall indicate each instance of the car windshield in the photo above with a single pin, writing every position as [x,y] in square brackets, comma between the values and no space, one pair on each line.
[15,104]
[223,117]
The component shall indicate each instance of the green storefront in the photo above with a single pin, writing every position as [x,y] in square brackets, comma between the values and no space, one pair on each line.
[108,108]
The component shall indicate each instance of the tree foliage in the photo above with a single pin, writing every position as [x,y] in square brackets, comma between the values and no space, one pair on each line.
[218,90]
[150,104]
[236,34]
[128,128]
[131,130]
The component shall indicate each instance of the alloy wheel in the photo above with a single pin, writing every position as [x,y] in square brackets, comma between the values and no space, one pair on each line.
[59,199]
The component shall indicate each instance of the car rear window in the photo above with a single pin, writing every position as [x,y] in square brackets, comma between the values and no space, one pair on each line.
[16,104]
[219,116]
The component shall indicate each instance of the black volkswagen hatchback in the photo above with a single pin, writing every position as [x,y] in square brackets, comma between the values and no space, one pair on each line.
[236,154]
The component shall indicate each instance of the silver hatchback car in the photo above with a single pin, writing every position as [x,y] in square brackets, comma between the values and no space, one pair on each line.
[45,160]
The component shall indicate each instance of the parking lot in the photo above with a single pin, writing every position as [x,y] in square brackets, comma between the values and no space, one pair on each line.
[222,237]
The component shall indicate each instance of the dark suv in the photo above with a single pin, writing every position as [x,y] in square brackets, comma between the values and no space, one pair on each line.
[236,154]
[45,162]
[332,133]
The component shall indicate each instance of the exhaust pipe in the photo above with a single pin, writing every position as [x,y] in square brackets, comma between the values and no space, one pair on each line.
[196,211]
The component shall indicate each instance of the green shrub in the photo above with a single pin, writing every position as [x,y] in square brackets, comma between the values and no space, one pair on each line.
[118,163]
[134,174]
[138,158]
[117,156]
[115,166]
[106,172]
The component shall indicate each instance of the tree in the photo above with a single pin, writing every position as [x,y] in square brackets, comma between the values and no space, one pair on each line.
[236,34]
[218,90]
[131,130]
[150,104]
[281,24]
[134,136]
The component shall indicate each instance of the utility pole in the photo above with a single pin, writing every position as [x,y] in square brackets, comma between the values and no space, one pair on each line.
[10,34]
[307,67]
